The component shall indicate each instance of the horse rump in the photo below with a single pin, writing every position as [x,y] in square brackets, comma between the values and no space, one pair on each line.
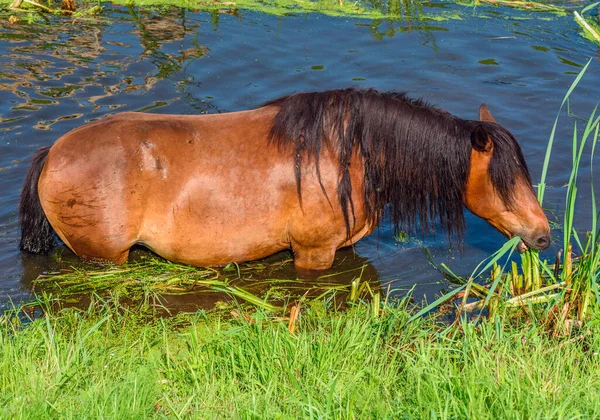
[37,236]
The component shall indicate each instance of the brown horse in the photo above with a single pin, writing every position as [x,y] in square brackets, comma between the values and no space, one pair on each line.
[313,172]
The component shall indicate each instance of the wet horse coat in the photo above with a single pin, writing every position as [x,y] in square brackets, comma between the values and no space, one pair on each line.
[311,172]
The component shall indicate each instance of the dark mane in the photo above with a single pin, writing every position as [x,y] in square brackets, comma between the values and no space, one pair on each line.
[416,157]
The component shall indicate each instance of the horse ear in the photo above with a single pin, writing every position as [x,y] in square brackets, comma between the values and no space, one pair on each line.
[484,114]
[480,140]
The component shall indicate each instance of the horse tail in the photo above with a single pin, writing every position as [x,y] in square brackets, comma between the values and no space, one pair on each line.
[37,236]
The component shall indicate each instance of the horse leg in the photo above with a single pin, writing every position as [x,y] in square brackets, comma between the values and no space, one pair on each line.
[315,258]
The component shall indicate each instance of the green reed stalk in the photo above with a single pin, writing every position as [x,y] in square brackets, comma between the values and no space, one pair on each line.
[542,184]
[581,279]
[530,261]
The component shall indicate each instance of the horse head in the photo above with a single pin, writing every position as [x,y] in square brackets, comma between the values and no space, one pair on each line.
[516,210]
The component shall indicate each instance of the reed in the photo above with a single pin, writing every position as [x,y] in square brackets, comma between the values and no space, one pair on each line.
[591,28]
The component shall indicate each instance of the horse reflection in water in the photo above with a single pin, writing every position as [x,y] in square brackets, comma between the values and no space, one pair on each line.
[313,172]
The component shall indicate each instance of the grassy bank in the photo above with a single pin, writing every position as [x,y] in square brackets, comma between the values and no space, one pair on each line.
[110,362]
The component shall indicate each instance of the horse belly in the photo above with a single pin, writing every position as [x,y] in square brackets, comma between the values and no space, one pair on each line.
[217,218]
[217,243]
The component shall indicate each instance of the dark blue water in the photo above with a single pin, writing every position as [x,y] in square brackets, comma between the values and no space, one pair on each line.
[56,77]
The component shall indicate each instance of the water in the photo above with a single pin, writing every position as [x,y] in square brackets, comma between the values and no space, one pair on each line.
[56,77]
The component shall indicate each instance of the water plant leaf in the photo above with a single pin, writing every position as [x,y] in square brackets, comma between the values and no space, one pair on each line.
[590,7]
[587,27]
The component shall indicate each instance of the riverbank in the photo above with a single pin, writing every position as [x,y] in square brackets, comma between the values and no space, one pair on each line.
[108,361]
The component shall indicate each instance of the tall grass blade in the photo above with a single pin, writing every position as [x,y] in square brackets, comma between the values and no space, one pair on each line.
[542,184]
[436,303]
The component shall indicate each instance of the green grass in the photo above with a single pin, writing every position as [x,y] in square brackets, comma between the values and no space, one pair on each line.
[113,363]
[526,5]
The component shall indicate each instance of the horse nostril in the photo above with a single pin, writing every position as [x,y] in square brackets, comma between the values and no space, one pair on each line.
[543,242]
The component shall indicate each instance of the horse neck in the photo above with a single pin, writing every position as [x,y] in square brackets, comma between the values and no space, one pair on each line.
[420,168]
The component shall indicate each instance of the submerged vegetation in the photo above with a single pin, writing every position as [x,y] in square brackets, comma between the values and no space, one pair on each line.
[267,285]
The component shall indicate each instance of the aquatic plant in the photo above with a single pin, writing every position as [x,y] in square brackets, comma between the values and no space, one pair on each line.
[528,5]
[33,11]
[591,28]
[267,285]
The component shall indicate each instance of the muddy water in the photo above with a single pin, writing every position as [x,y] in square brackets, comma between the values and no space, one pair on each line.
[56,77]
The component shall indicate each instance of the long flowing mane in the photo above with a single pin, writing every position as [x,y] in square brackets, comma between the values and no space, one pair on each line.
[416,157]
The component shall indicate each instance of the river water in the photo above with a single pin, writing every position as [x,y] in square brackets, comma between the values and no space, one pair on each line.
[57,76]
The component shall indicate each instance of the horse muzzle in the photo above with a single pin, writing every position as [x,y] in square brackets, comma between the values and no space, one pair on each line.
[541,242]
